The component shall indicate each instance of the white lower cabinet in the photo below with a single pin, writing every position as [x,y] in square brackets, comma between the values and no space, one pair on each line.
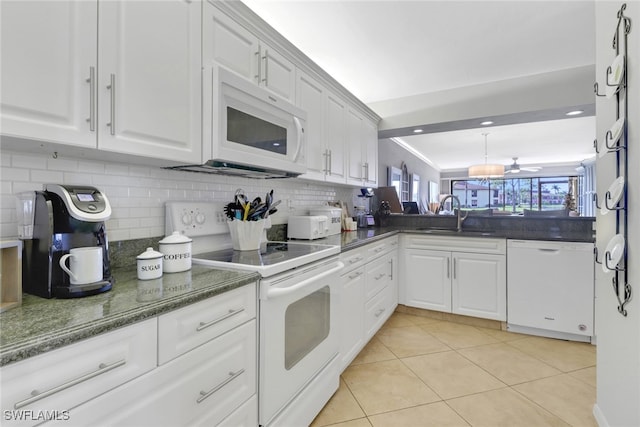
[456,275]
[369,294]
[207,373]
[200,388]
[62,379]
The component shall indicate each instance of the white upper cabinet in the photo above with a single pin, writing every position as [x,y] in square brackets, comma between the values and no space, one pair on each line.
[120,76]
[149,90]
[325,130]
[229,44]
[363,150]
[48,52]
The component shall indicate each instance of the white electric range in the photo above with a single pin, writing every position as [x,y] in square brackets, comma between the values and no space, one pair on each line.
[298,309]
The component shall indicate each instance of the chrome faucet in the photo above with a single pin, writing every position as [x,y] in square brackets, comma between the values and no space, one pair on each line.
[459,215]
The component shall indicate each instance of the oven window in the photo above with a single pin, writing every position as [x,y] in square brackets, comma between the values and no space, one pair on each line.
[245,129]
[306,325]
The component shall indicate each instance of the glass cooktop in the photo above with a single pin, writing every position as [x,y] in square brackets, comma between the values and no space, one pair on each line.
[274,258]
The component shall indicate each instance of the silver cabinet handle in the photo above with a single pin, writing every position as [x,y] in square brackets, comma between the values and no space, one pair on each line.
[391,269]
[448,268]
[257,56]
[354,260]
[232,376]
[265,58]
[379,312]
[92,99]
[36,395]
[232,312]
[454,268]
[354,275]
[112,88]
[380,276]
[329,161]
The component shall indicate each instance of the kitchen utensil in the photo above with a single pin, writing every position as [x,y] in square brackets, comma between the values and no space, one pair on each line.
[85,265]
[176,249]
[149,264]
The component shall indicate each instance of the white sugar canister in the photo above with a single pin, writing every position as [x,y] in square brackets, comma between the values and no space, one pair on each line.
[149,264]
[177,252]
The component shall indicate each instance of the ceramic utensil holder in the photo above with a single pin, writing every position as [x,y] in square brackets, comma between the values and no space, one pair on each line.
[246,235]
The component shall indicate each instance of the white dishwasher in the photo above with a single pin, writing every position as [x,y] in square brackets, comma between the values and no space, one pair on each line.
[550,288]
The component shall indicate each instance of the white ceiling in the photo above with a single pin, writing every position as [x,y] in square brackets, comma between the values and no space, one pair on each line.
[381,50]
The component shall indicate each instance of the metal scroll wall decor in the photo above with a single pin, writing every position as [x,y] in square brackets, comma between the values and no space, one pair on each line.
[615,142]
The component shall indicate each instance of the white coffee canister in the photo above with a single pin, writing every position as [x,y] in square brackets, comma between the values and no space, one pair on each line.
[149,264]
[177,252]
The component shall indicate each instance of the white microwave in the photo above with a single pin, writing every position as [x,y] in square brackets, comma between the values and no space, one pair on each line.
[254,133]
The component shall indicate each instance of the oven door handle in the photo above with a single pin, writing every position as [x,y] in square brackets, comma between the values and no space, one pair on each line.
[279,292]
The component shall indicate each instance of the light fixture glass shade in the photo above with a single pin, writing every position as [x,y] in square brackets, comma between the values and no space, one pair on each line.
[486,171]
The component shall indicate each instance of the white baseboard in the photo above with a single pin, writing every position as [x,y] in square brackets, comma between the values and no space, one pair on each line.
[599,416]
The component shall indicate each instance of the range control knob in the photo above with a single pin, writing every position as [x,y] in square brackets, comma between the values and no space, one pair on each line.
[187,218]
[200,218]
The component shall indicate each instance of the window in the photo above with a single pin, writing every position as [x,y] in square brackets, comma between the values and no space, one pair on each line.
[515,194]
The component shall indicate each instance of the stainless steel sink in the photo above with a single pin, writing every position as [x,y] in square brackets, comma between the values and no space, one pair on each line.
[448,231]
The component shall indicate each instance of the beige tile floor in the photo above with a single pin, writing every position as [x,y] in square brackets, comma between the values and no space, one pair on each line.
[419,371]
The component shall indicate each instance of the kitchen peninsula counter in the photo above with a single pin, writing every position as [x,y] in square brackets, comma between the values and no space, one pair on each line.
[40,325]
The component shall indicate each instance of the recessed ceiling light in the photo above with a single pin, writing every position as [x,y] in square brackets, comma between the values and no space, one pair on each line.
[574,113]
[487,123]
[417,131]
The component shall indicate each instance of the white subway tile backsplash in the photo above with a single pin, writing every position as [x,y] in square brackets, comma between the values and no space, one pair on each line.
[138,193]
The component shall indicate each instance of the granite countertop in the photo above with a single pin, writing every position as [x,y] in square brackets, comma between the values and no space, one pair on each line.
[40,325]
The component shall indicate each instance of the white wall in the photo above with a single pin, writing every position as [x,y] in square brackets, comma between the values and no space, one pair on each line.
[391,154]
[618,366]
[138,193]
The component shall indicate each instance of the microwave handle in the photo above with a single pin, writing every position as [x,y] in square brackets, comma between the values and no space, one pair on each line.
[300,130]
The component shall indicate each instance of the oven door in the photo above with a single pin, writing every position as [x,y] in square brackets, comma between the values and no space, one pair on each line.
[298,332]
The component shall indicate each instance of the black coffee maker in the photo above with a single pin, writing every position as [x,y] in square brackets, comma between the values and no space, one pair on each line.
[53,221]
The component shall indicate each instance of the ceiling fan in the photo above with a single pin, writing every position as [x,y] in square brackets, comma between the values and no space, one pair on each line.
[516,168]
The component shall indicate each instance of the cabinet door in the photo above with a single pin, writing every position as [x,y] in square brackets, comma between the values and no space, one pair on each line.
[228,44]
[336,131]
[310,97]
[479,285]
[352,316]
[48,51]
[149,79]
[370,141]
[277,74]
[427,279]
[355,171]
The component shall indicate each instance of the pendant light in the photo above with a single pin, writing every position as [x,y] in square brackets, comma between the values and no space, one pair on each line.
[486,170]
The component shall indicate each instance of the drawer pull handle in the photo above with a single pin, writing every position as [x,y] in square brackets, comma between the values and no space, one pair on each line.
[206,394]
[379,312]
[36,395]
[357,259]
[232,312]
[354,275]
[380,276]
[381,248]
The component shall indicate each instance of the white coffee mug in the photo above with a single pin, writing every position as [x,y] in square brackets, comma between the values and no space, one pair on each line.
[85,265]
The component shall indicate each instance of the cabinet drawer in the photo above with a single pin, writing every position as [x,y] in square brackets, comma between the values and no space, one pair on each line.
[375,250]
[245,416]
[378,276]
[200,388]
[484,245]
[189,327]
[353,259]
[377,311]
[71,375]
